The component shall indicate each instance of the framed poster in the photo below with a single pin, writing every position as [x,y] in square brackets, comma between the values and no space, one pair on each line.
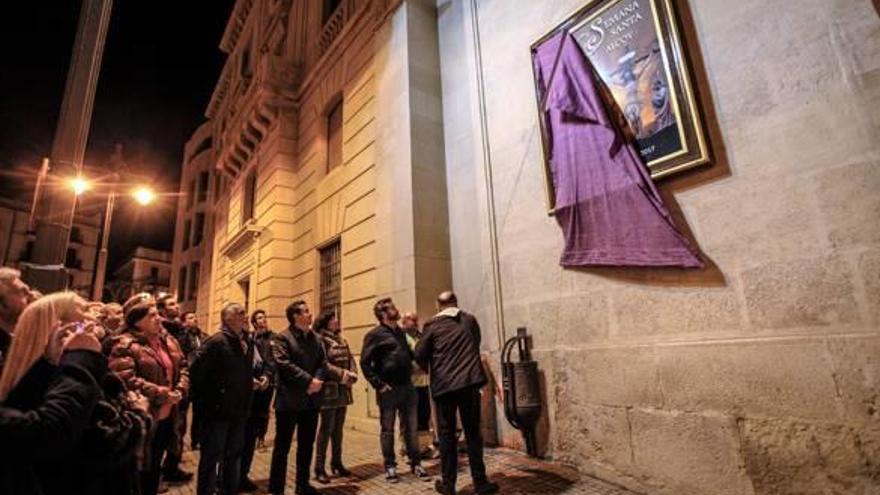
[636,50]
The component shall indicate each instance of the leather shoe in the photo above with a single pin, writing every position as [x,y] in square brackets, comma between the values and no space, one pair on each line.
[307,490]
[486,488]
[321,477]
[339,470]
[247,486]
[177,476]
[443,488]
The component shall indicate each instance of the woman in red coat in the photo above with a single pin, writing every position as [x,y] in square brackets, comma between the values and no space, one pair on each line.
[150,361]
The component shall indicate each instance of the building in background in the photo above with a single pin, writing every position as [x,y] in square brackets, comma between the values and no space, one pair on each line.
[338,124]
[200,186]
[313,96]
[17,242]
[146,270]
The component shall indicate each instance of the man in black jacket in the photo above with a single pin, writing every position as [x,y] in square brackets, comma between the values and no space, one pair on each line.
[301,369]
[386,360]
[222,384]
[450,350]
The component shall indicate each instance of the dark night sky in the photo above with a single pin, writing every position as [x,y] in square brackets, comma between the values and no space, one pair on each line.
[160,64]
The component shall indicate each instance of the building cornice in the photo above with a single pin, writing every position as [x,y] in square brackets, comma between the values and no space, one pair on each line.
[242,239]
[236,23]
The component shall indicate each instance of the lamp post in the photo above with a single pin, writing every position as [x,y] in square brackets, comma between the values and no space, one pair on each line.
[54,215]
[142,194]
[101,265]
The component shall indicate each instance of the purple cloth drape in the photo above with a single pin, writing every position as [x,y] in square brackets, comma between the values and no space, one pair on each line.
[607,205]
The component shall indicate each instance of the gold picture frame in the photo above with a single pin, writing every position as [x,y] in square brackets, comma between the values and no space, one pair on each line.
[637,52]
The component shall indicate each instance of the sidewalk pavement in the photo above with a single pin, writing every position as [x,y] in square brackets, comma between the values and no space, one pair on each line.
[515,472]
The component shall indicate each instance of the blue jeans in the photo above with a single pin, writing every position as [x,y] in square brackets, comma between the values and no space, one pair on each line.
[400,402]
[222,445]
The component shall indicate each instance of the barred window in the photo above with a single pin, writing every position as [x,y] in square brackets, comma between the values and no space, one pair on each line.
[331,278]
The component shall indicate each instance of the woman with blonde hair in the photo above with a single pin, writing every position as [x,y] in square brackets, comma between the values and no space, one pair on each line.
[34,372]
[37,335]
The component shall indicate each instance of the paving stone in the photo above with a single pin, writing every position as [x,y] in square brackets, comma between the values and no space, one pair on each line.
[515,472]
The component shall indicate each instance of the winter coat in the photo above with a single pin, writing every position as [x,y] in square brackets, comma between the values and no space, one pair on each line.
[139,366]
[386,358]
[298,357]
[88,440]
[450,350]
[222,379]
[339,355]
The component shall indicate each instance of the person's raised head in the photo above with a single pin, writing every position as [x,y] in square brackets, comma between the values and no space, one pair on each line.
[328,321]
[140,313]
[36,326]
[167,305]
[299,315]
[385,311]
[15,295]
[409,320]
[447,299]
[189,319]
[234,317]
[259,320]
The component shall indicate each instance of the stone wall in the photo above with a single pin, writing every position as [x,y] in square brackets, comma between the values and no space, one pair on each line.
[759,374]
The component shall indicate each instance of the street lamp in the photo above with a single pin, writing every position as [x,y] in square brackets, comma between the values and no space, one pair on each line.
[79,185]
[144,195]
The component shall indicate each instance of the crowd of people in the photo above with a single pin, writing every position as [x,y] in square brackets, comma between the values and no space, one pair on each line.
[94,397]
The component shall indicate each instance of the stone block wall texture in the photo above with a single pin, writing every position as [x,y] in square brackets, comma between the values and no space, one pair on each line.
[759,375]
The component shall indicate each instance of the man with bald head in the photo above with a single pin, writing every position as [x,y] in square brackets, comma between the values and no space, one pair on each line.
[450,350]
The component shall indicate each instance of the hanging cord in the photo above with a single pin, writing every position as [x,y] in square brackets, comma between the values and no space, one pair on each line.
[490,189]
[487,169]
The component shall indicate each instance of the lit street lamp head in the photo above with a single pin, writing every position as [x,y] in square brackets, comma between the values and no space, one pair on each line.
[79,185]
[144,195]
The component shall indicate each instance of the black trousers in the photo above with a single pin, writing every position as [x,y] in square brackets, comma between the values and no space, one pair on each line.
[332,424]
[305,423]
[175,447]
[424,409]
[222,445]
[254,430]
[163,434]
[466,402]
[400,402]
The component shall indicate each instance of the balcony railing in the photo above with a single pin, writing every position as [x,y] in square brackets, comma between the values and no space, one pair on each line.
[332,27]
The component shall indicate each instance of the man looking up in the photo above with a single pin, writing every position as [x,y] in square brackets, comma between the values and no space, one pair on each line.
[301,368]
[221,375]
[450,350]
[386,360]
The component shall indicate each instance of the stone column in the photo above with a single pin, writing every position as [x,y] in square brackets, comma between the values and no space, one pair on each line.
[413,263]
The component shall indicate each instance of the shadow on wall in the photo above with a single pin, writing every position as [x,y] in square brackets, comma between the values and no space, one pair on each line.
[719,168]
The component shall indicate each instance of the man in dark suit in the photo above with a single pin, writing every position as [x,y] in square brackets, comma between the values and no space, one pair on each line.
[301,368]
[450,350]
